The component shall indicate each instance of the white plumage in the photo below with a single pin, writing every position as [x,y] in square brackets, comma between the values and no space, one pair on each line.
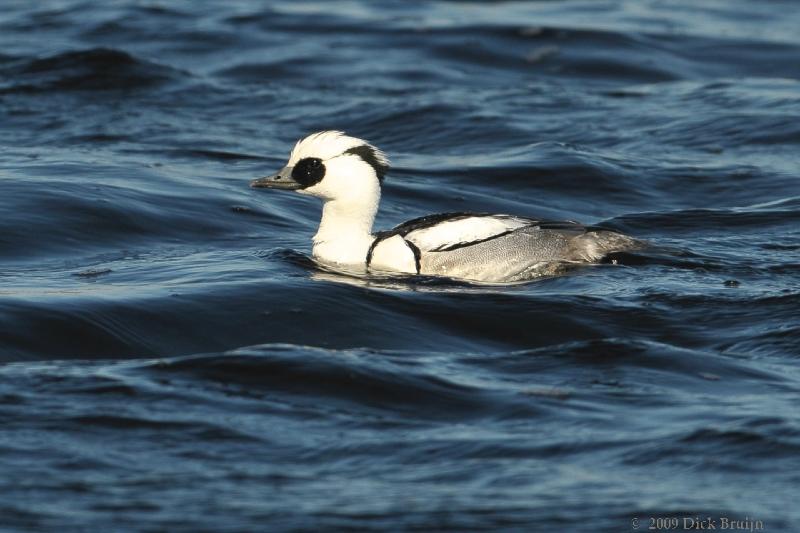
[346,172]
[469,229]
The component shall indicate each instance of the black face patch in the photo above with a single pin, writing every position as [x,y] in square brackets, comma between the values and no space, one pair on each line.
[308,171]
[367,154]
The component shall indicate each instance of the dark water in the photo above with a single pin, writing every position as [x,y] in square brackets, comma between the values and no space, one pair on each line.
[173,361]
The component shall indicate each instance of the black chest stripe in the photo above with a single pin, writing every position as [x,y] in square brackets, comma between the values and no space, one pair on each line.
[372,246]
[416,252]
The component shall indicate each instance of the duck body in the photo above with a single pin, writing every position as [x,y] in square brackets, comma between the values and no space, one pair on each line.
[487,247]
[346,173]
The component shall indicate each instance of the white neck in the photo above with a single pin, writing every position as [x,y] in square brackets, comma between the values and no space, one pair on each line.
[345,231]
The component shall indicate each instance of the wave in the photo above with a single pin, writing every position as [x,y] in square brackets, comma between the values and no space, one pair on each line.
[94,69]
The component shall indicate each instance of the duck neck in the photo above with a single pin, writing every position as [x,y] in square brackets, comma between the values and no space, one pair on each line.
[345,231]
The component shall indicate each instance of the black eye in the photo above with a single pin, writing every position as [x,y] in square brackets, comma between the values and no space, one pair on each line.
[308,171]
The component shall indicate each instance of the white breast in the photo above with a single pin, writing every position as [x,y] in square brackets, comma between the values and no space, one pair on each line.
[463,230]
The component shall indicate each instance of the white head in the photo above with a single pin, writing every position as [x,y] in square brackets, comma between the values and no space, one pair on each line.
[332,166]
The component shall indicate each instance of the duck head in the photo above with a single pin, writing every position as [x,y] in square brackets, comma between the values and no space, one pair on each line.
[332,166]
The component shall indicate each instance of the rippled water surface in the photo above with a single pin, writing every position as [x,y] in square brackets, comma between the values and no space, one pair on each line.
[171,359]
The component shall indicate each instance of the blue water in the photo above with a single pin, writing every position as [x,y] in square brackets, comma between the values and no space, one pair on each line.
[171,359]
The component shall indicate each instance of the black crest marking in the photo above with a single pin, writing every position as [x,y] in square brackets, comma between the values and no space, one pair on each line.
[367,154]
[308,171]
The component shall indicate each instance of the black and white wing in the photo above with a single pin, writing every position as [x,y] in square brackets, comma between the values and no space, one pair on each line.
[450,243]
[452,231]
